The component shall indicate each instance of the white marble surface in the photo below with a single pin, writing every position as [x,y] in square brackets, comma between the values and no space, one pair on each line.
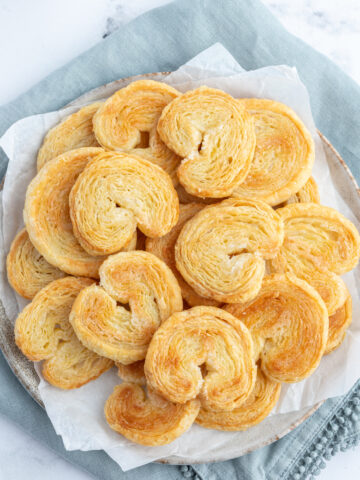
[37,37]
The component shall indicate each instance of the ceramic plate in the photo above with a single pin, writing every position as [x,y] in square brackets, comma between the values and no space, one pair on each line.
[272,428]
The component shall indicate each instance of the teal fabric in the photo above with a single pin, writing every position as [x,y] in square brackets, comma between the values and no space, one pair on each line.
[161,40]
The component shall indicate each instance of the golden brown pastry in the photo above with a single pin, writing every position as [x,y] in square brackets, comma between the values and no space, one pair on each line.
[338,324]
[148,419]
[116,193]
[164,248]
[138,279]
[75,131]
[221,251]
[127,122]
[319,244]
[203,353]
[28,271]
[47,217]
[289,323]
[133,373]
[253,411]
[309,193]
[284,153]
[43,332]
[215,137]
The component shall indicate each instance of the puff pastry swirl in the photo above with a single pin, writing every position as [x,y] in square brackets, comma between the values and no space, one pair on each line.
[253,411]
[28,271]
[116,193]
[284,153]
[130,115]
[43,332]
[289,324]
[47,217]
[148,420]
[136,278]
[202,352]
[215,137]
[221,251]
[164,248]
[320,243]
[75,131]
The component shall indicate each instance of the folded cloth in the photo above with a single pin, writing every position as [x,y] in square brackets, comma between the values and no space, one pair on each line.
[162,40]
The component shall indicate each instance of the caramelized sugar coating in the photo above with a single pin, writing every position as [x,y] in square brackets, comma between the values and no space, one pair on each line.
[148,419]
[47,216]
[289,324]
[43,332]
[221,251]
[253,411]
[204,353]
[116,193]
[127,122]
[320,244]
[28,271]
[214,135]
[138,279]
[73,132]
[284,153]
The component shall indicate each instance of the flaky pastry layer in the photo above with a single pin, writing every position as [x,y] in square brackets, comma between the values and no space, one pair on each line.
[137,279]
[289,324]
[221,251]
[43,332]
[116,193]
[254,410]
[148,419]
[284,153]
[28,271]
[75,131]
[214,135]
[127,122]
[204,353]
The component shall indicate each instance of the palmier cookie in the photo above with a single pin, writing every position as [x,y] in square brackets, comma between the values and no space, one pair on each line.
[116,193]
[338,324]
[47,218]
[132,373]
[136,278]
[214,135]
[309,193]
[204,353]
[284,153]
[164,248]
[253,411]
[148,420]
[28,271]
[289,323]
[319,244]
[221,251]
[75,131]
[127,122]
[43,332]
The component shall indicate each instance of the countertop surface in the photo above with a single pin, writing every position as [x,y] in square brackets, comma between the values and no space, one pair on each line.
[37,37]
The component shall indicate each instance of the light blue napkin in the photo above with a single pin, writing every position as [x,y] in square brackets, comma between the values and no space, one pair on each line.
[162,40]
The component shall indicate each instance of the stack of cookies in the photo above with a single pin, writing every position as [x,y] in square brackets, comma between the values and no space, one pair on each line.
[181,238]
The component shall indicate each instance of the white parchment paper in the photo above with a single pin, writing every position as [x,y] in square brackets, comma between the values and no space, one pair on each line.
[78,415]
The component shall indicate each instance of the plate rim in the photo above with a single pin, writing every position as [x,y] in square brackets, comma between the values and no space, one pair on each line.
[23,368]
